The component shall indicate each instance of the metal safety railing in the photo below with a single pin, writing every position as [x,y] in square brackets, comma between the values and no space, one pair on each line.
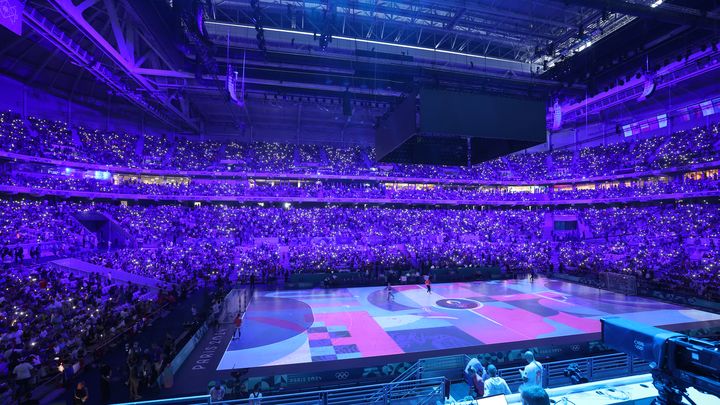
[408,388]
[600,367]
[413,372]
[408,392]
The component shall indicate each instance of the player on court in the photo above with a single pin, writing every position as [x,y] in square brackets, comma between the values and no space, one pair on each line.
[390,292]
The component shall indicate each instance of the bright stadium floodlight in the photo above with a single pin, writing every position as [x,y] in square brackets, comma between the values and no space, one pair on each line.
[657,3]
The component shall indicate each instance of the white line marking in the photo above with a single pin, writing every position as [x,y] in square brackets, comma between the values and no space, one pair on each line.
[553,299]
[476,313]
[481,315]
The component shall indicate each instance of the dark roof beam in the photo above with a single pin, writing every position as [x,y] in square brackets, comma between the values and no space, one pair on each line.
[439,21]
[680,16]
[451,24]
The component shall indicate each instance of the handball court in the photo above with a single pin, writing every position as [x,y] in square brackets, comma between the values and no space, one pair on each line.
[352,326]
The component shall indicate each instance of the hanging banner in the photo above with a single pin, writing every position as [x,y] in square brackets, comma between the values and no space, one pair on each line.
[11,15]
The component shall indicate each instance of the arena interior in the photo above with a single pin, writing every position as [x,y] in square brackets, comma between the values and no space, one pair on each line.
[359,202]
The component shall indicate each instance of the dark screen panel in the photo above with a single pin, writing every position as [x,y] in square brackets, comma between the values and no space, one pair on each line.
[480,115]
[484,149]
[397,127]
[431,151]
[566,225]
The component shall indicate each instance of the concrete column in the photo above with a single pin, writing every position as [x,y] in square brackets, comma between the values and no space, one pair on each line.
[575,138]
[24,101]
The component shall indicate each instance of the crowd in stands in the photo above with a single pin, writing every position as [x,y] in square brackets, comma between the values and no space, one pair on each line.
[50,318]
[674,245]
[183,266]
[359,191]
[30,223]
[671,244]
[59,140]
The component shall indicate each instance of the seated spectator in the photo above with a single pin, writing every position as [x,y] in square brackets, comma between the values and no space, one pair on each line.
[255,396]
[534,395]
[80,395]
[217,393]
[495,385]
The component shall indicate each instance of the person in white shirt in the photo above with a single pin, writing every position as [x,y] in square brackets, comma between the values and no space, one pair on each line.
[23,375]
[532,374]
[255,396]
[217,394]
[23,371]
[495,385]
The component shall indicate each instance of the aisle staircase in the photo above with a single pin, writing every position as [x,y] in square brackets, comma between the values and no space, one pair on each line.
[105,228]
[413,373]
[76,266]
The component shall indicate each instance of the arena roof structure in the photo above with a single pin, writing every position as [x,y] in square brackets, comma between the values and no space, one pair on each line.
[318,68]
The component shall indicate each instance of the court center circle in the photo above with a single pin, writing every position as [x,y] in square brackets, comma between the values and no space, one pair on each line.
[457,303]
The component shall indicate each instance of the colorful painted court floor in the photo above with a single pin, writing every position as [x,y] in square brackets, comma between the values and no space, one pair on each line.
[290,327]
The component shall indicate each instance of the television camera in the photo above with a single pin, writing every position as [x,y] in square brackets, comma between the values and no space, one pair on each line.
[677,361]
[573,373]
